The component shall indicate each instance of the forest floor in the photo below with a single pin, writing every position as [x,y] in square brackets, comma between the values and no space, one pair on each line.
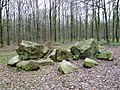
[105,76]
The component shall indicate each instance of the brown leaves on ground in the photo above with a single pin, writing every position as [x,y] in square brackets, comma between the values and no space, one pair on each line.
[105,76]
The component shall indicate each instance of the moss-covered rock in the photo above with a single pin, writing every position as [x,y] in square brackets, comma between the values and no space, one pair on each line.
[88,63]
[87,48]
[13,61]
[28,65]
[105,55]
[43,62]
[60,54]
[29,50]
[66,67]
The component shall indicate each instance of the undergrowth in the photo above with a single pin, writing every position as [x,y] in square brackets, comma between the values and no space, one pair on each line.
[5,56]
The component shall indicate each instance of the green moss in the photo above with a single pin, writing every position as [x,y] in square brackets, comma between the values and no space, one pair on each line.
[105,55]
[62,54]
[28,65]
[5,56]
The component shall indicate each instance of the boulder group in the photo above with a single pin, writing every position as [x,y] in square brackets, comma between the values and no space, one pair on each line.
[30,55]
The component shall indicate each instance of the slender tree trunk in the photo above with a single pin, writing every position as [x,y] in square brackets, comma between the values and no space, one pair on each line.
[54,19]
[59,21]
[98,29]
[50,19]
[63,28]
[45,15]
[19,22]
[93,16]
[80,37]
[14,28]
[72,21]
[96,24]
[86,22]
[37,21]
[67,27]
[113,25]
[1,30]
[117,22]
[106,25]
[8,24]
[77,32]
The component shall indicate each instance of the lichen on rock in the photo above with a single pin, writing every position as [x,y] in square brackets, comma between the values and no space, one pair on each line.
[29,50]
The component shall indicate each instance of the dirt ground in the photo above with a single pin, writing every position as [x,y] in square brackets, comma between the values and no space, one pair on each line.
[105,76]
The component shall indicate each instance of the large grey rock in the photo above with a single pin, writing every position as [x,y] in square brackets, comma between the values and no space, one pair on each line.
[43,62]
[89,63]
[60,54]
[28,65]
[66,67]
[30,50]
[13,61]
[87,48]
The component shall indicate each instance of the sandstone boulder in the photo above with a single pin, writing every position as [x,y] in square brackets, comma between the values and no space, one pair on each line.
[13,61]
[29,50]
[88,63]
[87,48]
[105,55]
[28,65]
[60,54]
[66,67]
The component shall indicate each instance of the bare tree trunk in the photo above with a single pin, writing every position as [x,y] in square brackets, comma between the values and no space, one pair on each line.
[45,15]
[117,22]
[93,16]
[8,24]
[50,19]
[1,26]
[19,22]
[37,21]
[80,37]
[54,20]
[77,32]
[98,29]
[113,25]
[59,21]
[106,25]
[86,21]
[72,20]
